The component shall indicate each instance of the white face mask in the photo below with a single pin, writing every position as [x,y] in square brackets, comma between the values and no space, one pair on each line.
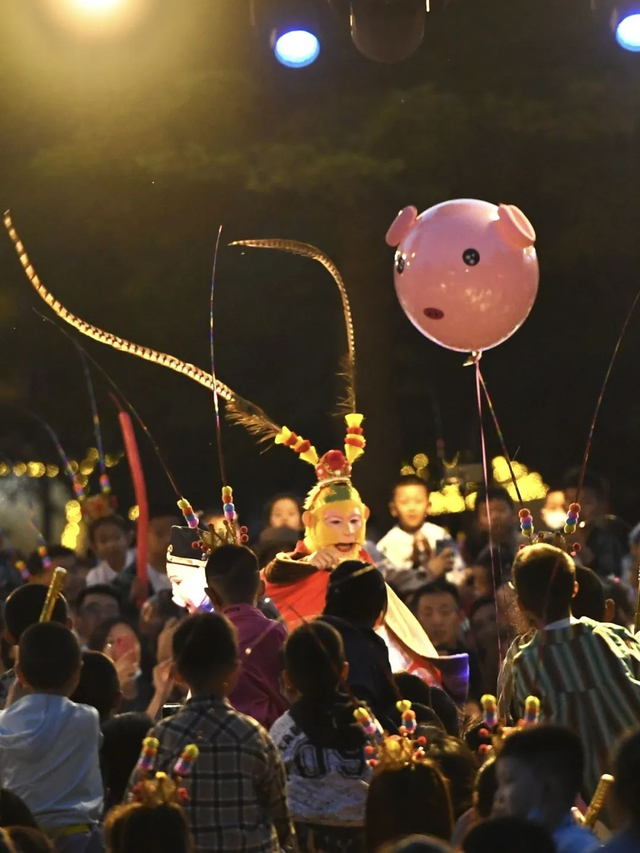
[188,584]
[554,519]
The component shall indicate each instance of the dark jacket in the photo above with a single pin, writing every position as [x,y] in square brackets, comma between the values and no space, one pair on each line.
[370,677]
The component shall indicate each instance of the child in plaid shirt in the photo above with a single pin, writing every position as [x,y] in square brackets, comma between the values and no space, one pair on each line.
[236,788]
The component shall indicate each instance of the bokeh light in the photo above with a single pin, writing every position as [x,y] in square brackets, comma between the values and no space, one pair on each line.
[97,5]
[297,48]
[628,33]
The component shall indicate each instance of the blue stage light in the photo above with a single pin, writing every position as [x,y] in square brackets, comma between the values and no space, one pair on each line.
[628,33]
[297,48]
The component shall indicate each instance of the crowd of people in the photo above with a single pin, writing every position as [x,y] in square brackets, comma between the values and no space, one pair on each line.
[306,737]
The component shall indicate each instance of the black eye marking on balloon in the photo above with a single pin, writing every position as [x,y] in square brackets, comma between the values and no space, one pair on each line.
[471,257]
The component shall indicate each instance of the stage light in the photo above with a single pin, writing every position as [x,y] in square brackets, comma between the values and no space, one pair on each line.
[97,5]
[625,23]
[296,48]
[628,32]
[98,18]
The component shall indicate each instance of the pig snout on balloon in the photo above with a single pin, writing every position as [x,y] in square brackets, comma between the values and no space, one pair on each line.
[466,271]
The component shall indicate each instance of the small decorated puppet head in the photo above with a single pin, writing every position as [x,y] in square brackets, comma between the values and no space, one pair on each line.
[335,516]
[159,789]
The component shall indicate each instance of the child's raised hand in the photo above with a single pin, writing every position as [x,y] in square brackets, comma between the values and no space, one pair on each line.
[162,680]
[165,640]
[442,563]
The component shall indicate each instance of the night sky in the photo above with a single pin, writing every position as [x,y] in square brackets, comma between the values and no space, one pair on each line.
[120,157]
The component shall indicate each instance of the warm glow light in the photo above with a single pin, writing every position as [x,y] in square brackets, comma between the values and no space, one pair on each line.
[97,5]
[98,18]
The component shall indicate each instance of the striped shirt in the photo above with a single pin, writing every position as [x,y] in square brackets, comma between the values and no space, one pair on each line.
[237,798]
[587,677]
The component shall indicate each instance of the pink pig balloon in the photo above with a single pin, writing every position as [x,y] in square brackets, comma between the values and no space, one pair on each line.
[466,271]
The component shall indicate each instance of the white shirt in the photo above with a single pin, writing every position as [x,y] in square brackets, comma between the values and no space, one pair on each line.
[103,573]
[397,547]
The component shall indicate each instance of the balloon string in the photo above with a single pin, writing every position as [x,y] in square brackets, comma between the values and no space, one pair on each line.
[119,395]
[503,443]
[485,471]
[216,402]
[105,485]
[596,412]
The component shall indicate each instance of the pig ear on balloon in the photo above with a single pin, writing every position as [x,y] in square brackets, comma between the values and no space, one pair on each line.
[403,223]
[514,227]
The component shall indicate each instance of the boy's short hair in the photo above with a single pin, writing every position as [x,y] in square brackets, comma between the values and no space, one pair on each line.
[24,606]
[551,752]
[626,769]
[14,811]
[96,589]
[115,520]
[314,658]
[356,591]
[204,646]
[438,587]
[409,480]
[544,578]
[99,685]
[493,493]
[234,569]
[34,561]
[49,656]
[590,600]
[479,603]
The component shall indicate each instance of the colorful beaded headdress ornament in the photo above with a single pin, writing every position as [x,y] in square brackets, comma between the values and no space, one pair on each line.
[560,540]
[392,752]
[491,733]
[158,789]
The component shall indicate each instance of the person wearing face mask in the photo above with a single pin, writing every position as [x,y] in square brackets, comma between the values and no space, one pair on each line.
[554,511]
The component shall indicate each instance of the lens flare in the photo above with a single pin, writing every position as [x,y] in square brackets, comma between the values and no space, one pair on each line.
[297,48]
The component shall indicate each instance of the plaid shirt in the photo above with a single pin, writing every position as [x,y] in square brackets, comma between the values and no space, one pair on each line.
[237,800]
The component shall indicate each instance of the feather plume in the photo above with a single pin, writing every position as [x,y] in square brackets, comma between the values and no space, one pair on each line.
[304,249]
[252,418]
